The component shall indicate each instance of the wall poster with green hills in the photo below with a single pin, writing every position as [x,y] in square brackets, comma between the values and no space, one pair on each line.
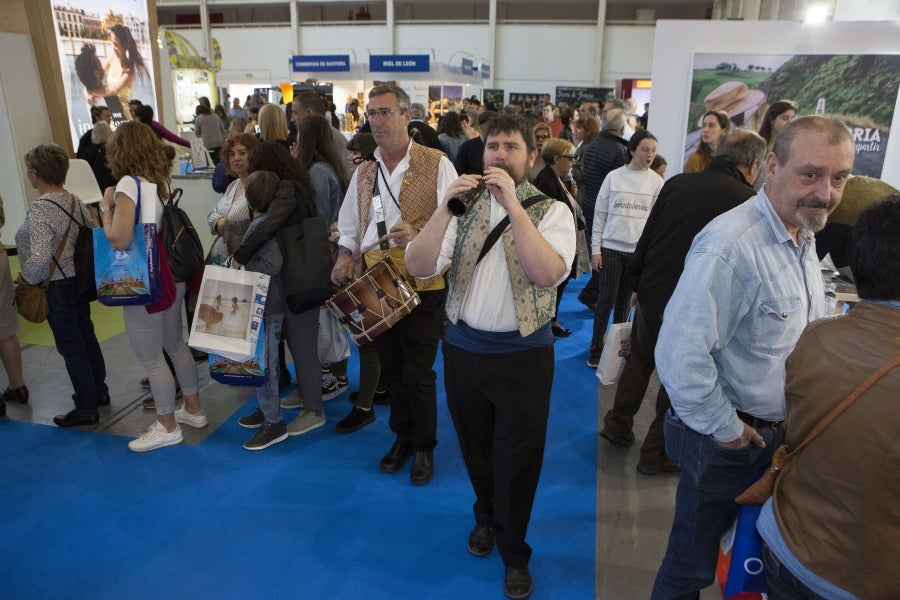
[860,89]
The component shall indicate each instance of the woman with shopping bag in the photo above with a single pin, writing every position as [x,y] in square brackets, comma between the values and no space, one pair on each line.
[137,159]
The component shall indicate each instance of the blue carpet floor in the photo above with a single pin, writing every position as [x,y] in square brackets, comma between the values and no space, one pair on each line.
[83,517]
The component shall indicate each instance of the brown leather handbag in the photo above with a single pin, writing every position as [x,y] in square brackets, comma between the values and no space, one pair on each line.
[761,489]
[31,300]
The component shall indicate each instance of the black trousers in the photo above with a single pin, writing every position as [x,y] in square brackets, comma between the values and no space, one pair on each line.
[633,385]
[407,352]
[499,404]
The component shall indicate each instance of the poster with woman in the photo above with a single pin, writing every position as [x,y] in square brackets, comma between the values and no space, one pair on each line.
[106,58]
[861,90]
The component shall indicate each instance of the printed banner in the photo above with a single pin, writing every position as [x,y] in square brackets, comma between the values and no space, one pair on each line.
[861,90]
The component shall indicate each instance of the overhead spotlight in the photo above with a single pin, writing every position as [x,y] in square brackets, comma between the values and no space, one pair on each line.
[817,13]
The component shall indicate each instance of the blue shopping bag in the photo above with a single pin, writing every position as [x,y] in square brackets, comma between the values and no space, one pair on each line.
[252,371]
[130,276]
[742,552]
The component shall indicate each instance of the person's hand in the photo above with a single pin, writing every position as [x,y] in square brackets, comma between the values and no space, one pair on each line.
[748,436]
[597,262]
[342,273]
[220,225]
[462,185]
[402,233]
[633,302]
[502,186]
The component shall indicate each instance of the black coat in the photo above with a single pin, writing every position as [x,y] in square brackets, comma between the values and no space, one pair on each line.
[686,203]
[606,153]
[470,157]
[424,134]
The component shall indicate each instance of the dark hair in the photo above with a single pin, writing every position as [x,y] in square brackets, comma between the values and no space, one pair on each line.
[451,125]
[834,130]
[638,137]
[565,114]
[144,114]
[875,250]
[133,60]
[202,109]
[87,66]
[314,144]
[311,101]
[488,115]
[658,161]
[363,144]
[96,111]
[724,120]
[50,163]
[247,140]
[512,124]
[260,189]
[781,106]
[590,126]
[272,156]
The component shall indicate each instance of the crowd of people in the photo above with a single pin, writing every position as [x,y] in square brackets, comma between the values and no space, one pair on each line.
[717,266]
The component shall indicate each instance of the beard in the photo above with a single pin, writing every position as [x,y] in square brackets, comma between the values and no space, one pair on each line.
[814,222]
[517,176]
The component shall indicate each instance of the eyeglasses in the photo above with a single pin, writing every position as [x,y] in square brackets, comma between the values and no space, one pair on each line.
[384,113]
[542,137]
[358,160]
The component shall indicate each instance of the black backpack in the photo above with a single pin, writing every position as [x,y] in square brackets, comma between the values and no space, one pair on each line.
[180,238]
[83,258]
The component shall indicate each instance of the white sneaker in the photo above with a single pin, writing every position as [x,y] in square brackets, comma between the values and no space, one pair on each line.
[292,401]
[305,421]
[197,421]
[155,437]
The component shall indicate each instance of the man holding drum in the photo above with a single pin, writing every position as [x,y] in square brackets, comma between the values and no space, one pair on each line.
[388,202]
[498,349]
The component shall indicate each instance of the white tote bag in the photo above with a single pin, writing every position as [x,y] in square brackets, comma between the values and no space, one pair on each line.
[333,343]
[616,348]
[229,312]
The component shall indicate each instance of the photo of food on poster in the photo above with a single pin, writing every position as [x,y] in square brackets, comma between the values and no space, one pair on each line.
[860,89]
[106,58]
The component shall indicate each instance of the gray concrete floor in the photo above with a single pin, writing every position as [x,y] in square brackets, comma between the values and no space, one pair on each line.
[51,393]
[634,512]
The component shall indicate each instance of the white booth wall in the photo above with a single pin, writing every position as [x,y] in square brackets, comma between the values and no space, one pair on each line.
[678,41]
[23,124]
[528,58]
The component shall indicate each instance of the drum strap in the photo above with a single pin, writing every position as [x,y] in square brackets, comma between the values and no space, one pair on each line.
[500,227]
[380,225]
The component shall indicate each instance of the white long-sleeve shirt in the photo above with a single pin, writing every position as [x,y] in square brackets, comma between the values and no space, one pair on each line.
[623,205]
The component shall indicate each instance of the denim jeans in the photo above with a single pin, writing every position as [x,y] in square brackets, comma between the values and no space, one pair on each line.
[73,332]
[267,394]
[781,583]
[711,476]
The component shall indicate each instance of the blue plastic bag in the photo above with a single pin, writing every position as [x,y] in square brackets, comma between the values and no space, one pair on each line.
[252,372]
[743,542]
[130,276]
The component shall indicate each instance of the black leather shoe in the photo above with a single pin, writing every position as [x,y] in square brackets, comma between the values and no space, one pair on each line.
[396,457]
[422,467]
[481,540]
[560,331]
[18,395]
[517,583]
[618,440]
[73,418]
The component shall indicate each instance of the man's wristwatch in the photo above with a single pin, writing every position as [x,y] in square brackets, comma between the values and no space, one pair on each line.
[344,252]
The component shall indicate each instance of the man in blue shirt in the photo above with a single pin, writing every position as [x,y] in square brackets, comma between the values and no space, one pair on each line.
[750,285]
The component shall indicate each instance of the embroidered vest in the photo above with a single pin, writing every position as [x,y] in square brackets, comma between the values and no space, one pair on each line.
[534,304]
[418,201]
